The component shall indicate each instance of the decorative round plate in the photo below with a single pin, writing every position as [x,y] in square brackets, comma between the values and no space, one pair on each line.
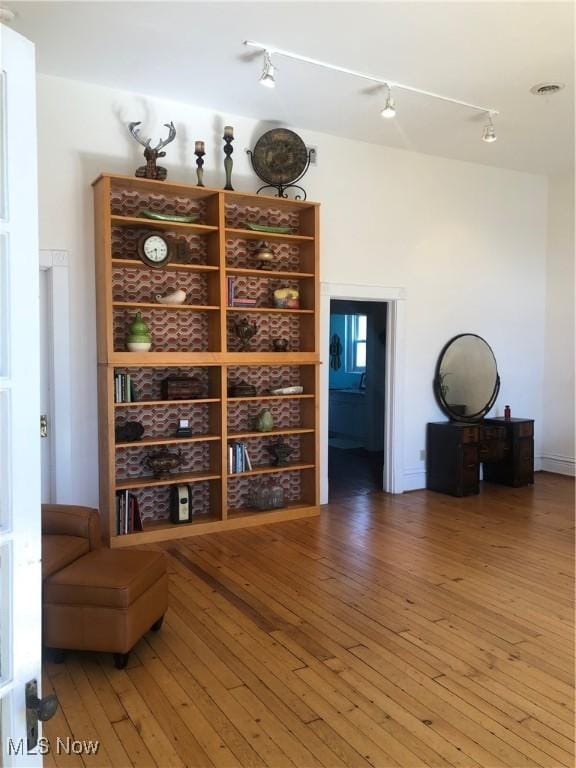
[280,156]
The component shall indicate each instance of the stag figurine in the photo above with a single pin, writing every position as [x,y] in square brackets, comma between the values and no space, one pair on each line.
[151,170]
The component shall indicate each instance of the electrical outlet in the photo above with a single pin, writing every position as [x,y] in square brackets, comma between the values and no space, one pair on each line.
[313,154]
[423,454]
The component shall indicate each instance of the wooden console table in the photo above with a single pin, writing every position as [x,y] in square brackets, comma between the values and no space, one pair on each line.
[455,450]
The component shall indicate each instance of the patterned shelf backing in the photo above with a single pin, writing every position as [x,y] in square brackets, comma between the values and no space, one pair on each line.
[286,413]
[129,284]
[130,461]
[240,254]
[130,202]
[188,248]
[265,377]
[270,326]
[154,503]
[148,381]
[172,330]
[162,421]
[239,215]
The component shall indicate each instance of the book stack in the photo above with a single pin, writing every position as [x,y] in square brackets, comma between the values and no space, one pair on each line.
[128,517]
[238,458]
[124,391]
[238,301]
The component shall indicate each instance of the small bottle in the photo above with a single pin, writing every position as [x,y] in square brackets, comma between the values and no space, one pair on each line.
[507,412]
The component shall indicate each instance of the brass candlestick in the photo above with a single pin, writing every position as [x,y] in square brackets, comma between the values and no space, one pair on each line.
[199,152]
[228,149]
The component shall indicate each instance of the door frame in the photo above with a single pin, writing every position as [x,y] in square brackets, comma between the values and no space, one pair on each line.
[393,473]
[56,264]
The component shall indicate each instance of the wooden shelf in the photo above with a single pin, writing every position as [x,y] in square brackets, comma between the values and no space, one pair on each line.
[270,432]
[149,481]
[169,307]
[150,403]
[222,215]
[269,397]
[272,310]
[172,267]
[270,274]
[140,221]
[270,469]
[148,441]
[235,233]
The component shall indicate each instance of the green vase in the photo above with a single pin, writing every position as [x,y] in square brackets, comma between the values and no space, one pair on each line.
[139,338]
[264,422]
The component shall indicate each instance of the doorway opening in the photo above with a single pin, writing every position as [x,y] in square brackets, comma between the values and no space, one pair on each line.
[356,397]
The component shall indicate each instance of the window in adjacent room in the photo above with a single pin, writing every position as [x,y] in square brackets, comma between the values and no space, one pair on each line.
[356,327]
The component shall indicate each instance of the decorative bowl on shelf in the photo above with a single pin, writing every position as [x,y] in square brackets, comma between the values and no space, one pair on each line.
[275,230]
[287,298]
[163,462]
[266,494]
[264,255]
[280,345]
[176,218]
[296,390]
[128,432]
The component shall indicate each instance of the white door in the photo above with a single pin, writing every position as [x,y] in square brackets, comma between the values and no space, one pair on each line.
[45,388]
[20,575]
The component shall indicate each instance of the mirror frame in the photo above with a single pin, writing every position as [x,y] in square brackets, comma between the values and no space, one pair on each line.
[472,417]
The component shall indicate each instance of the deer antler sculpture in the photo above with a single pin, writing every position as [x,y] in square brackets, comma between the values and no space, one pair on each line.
[151,170]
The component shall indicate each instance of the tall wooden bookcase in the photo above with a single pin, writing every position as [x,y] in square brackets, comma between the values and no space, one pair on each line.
[197,339]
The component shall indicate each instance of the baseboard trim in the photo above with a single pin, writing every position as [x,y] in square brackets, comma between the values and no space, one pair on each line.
[414,479]
[559,465]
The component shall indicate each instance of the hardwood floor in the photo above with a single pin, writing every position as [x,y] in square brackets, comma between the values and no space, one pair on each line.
[414,630]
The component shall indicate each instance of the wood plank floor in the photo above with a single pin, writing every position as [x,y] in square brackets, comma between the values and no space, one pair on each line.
[417,630]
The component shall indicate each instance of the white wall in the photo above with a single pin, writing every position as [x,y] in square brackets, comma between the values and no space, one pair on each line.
[467,242]
[558,450]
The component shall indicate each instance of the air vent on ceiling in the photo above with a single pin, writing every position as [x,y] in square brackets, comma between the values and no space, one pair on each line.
[546,89]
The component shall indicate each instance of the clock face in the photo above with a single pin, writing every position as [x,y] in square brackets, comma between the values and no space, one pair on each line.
[154,250]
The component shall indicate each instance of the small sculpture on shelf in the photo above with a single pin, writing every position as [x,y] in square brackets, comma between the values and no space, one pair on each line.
[228,149]
[163,462]
[241,389]
[151,170]
[199,152]
[280,453]
[280,345]
[266,494]
[245,330]
[174,296]
[264,421]
[264,255]
[139,338]
[128,432]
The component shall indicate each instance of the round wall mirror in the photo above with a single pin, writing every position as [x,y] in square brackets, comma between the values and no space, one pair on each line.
[466,383]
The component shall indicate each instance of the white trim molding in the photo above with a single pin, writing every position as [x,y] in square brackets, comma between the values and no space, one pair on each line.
[393,476]
[560,465]
[56,264]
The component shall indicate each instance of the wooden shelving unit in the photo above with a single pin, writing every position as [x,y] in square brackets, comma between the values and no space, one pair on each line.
[197,339]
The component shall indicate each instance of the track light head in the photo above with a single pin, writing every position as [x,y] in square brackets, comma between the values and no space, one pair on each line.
[390,106]
[489,132]
[268,72]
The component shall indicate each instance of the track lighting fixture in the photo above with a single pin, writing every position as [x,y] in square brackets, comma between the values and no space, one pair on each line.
[268,71]
[390,106]
[489,132]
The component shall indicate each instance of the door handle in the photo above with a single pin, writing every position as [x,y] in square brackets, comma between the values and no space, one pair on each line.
[43,425]
[37,710]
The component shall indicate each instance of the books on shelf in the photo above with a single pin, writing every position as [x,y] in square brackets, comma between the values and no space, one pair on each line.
[124,390]
[238,458]
[238,301]
[128,517]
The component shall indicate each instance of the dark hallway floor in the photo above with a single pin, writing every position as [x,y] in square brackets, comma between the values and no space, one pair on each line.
[354,472]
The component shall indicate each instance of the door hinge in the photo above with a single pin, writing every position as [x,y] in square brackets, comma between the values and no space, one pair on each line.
[43,425]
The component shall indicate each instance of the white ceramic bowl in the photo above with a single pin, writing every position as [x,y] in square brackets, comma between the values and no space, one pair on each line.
[139,346]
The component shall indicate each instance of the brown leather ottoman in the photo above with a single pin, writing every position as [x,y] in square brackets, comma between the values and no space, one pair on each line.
[105,601]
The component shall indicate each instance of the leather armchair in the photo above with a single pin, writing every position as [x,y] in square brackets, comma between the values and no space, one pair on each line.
[68,532]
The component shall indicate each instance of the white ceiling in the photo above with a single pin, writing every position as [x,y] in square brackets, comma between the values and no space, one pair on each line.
[487,53]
